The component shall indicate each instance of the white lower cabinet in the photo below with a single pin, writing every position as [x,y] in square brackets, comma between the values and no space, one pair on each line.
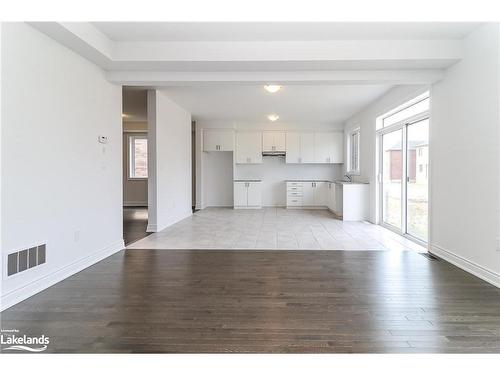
[247,194]
[306,194]
[351,201]
[331,196]
[320,194]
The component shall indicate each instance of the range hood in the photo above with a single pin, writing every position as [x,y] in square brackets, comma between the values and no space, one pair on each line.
[273,153]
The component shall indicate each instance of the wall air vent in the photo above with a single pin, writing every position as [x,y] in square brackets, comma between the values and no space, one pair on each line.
[25,259]
[429,256]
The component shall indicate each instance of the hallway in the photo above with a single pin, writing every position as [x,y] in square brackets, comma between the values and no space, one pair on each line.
[135,221]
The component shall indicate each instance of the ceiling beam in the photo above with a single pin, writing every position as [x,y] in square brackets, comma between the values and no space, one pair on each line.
[159,79]
[332,62]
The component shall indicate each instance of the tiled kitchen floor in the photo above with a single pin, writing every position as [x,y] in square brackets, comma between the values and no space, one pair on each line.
[273,228]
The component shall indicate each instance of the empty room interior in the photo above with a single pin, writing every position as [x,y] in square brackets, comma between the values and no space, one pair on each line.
[251,187]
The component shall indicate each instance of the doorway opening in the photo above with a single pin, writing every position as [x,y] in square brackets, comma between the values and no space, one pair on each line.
[403,169]
[135,164]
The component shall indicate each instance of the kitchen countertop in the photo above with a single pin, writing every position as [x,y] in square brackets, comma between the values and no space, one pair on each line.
[349,183]
[334,182]
[311,180]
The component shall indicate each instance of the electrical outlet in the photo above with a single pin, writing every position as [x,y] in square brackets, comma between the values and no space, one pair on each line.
[76,235]
[498,244]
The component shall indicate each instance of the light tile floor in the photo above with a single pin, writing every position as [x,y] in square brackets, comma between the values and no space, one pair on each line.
[273,228]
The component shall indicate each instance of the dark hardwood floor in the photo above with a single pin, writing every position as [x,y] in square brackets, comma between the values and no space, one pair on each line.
[135,222]
[185,301]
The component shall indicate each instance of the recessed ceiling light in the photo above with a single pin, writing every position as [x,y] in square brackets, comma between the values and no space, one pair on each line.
[273,117]
[272,88]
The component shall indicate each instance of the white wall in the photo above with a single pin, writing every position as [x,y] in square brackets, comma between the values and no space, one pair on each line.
[219,179]
[169,187]
[59,185]
[366,121]
[273,171]
[135,192]
[464,140]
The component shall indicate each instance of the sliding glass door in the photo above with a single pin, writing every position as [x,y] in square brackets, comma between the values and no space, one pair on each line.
[392,175]
[404,168]
[417,199]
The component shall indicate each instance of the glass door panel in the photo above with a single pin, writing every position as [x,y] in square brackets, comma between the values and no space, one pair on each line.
[392,178]
[417,179]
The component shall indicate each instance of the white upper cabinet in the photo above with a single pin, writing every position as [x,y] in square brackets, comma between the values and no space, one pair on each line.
[323,144]
[293,147]
[328,147]
[273,141]
[248,147]
[299,147]
[218,140]
[307,147]
[338,148]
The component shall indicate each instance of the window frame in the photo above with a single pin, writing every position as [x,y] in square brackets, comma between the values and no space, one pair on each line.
[131,155]
[350,170]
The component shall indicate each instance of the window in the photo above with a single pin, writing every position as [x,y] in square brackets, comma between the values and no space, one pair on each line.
[138,156]
[353,150]
[411,108]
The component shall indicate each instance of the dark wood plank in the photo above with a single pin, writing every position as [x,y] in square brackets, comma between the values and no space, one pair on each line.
[135,222]
[204,301]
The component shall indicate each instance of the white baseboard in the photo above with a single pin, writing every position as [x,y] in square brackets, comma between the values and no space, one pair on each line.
[135,204]
[36,286]
[465,264]
[152,228]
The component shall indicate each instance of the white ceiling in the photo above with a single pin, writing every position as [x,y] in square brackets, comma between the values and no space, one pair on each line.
[282,31]
[294,103]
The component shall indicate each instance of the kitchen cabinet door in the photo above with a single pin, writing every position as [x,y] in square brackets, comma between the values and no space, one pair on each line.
[320,194]
[254,194]
[280,141]
[331,196]
[293,147]
[210,140]
[240,194]
[308,193]
[248,147]
[226,140]
[323,146]
[268,141]
[307,147]
[337,149]
[218,140]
